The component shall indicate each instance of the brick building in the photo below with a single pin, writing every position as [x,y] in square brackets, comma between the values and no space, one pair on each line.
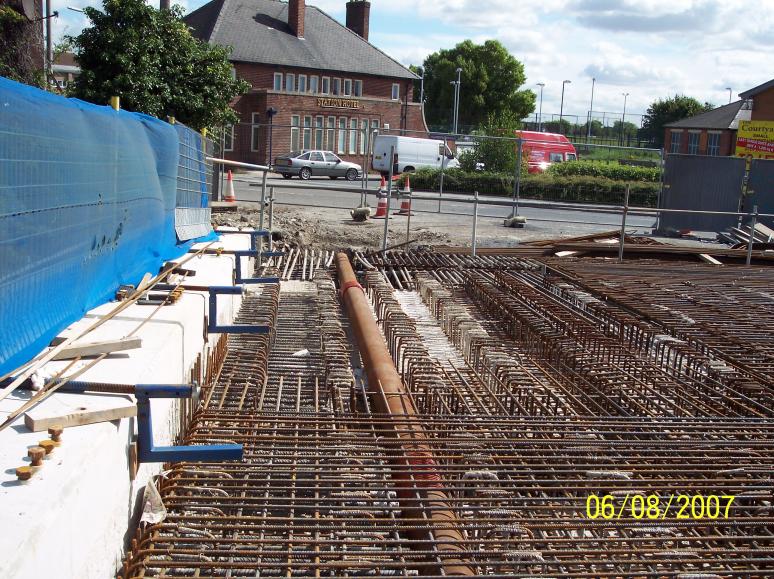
[714,132]
[328,85]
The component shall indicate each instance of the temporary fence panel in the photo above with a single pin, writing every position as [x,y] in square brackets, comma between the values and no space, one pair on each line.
[87,203]
[703,183]
[194,175]
[761,183]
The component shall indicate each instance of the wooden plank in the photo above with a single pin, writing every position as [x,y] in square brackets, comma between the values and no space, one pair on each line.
[709,259]
[84,349]
[79,409]
[765,231]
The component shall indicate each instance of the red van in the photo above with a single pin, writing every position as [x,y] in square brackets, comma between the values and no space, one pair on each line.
[543,149]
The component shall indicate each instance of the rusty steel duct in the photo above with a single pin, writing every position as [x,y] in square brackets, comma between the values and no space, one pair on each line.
[390,398]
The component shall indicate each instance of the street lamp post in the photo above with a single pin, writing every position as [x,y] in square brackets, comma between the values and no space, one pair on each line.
[728,88]
[561,106]
[623,116]
[422,87]
[271,112]
[540,113]
[591,109]
[456,111]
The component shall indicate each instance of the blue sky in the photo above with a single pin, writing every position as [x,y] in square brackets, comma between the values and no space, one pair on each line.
[647,48]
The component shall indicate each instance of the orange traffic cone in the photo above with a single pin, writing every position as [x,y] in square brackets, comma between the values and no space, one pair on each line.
[230,197]
[405,194]
[381,209]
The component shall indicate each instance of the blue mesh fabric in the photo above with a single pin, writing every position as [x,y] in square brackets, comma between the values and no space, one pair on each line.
[87,203]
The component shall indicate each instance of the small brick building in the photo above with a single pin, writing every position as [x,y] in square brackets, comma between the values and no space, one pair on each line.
[714,132]
[329,86]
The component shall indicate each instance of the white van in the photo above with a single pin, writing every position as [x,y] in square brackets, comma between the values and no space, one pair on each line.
[411,154]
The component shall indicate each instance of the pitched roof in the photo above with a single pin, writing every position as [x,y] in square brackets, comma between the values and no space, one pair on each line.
[757,90]
[725,117]
[258,31]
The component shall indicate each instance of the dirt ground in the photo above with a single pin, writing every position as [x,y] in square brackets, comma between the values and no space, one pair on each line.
[324,228]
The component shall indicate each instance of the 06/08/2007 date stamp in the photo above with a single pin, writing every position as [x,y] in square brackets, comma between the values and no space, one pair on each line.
[657,507]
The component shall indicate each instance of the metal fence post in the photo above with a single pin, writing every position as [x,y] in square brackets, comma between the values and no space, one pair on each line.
[389,199]
[623,225]
[443,168]
[271,207]
[753,220]
[517,181]
[475,222]
[660,195]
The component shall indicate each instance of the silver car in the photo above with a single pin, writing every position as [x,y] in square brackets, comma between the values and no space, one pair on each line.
[305,164]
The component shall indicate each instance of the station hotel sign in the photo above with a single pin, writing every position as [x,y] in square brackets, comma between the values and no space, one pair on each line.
[337,103]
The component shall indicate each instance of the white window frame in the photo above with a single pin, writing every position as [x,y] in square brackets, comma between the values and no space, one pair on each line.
[290,82]
[306,143]
[347,87]
[714,135]
[395,95]
[672,134]
[363,135]
[330,134]
[336,87]
[314,84]
[325,87]
[278,76]
[255,119]
[358,88]
[302,86]
[319,132]
[341,141]
[694,150]
[228,138]
[295,132]
[352,148]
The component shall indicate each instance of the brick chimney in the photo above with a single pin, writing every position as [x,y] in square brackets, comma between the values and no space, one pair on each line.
[358,17]
[296,11]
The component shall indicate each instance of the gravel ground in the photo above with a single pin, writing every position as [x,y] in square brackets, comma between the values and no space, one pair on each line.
[324,228]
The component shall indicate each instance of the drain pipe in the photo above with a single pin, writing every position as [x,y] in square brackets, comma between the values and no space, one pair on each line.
[391,398]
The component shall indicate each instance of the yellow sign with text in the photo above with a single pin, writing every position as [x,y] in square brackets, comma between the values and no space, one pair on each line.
[755,139]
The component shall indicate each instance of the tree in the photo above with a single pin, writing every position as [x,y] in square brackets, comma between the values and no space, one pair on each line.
[490,81]
[150,59]
[20,43]
[497,155]
[665,111]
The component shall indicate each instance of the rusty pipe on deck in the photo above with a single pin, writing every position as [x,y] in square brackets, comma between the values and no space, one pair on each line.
[390,397]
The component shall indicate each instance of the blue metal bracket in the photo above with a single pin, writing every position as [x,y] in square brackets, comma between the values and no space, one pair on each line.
[212,325]
[238,255]
[147,452]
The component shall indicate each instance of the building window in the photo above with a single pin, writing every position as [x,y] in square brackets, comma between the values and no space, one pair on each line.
[352,136]
[326,85]
[295,121]
[693,143]
[228,138]
[358,88]
[395,91]
[336,86]
[330,139]
[713,144]
[301,83]
[307,132]
[318,132]
[342,144]
[314,84]
[277,81]
[255,132]
[674,146]
[363,136]
[290,82]
[347,87]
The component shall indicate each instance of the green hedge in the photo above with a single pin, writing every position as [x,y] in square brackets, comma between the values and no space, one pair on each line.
[606,170]
[545,186]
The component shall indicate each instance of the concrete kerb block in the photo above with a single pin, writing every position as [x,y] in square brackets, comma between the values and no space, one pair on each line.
[518,221]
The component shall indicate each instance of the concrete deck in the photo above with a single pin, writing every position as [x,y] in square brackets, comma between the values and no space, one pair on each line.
[71,518]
